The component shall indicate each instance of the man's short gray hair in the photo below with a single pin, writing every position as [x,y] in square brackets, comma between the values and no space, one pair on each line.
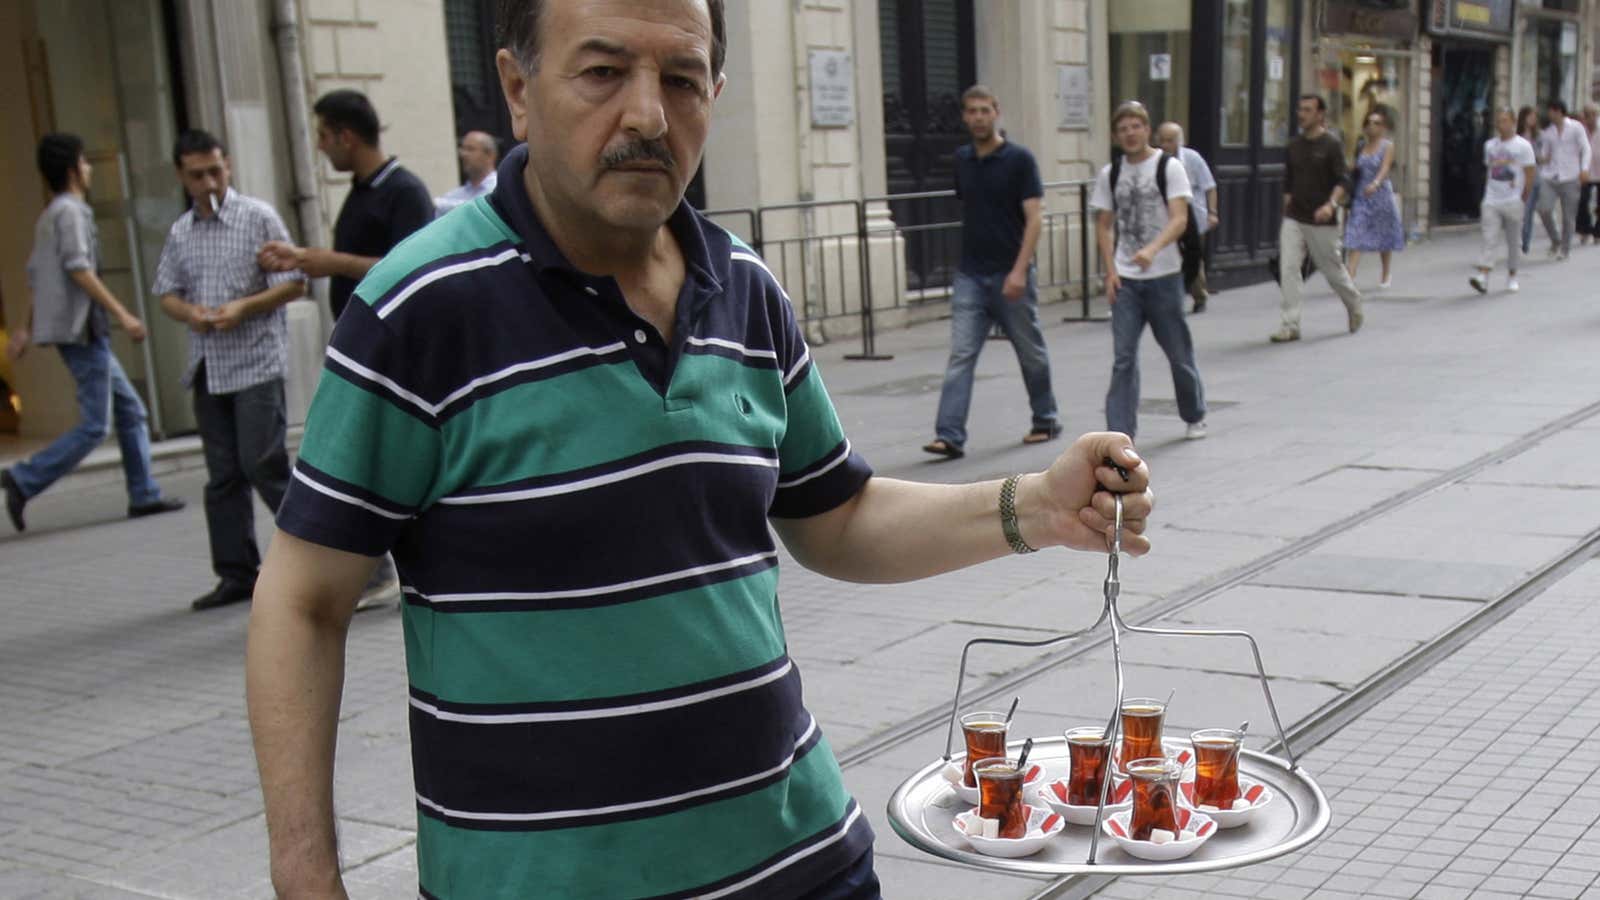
[517,29]
[1175,127]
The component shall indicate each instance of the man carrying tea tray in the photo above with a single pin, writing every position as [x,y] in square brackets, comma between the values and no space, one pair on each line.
[570,410]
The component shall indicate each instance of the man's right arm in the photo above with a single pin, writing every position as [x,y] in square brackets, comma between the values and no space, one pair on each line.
[294,675]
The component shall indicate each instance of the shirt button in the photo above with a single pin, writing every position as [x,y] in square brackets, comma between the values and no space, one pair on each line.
[638,335]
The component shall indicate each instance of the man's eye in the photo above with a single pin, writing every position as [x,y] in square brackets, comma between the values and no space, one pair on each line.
[601,72]
[688,84]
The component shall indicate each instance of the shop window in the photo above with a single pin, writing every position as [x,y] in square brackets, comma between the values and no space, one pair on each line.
[1150,57]
[1550,60]
[1237,65]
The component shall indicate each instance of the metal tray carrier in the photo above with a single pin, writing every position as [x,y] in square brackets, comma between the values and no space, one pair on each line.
[924,806]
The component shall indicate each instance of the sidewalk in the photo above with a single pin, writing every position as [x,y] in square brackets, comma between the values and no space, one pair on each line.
[125,759]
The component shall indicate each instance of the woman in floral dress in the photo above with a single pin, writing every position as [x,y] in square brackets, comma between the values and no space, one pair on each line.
[1374,222]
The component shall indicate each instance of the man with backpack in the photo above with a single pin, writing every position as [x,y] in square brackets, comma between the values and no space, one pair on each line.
[1142,200]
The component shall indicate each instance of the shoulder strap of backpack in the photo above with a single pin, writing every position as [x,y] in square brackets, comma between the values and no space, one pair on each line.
[1161,174]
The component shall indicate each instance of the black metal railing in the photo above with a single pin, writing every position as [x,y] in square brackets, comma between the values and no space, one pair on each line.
[821,251]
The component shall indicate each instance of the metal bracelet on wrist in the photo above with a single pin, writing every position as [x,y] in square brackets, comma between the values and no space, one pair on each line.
[1008,516]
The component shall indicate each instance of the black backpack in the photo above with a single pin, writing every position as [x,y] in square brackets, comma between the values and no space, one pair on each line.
[1189,246]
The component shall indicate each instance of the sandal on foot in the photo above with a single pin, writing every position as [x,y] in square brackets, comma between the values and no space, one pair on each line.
[1041,434]
[942,447]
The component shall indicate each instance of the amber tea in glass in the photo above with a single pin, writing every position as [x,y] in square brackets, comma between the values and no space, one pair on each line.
[1000,795]
[1216,767]
[1141,729]
[1155,792]
[985,733]
[1087,752]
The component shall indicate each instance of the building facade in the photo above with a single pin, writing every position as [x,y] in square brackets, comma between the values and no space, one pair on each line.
[832,149]
[128,75]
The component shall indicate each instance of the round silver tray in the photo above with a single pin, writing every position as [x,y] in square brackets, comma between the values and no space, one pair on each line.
[924,806]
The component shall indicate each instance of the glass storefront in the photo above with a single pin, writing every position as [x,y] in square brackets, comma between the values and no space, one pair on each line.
[104,72]
[1150,59]
[1237,68]
[1549,61]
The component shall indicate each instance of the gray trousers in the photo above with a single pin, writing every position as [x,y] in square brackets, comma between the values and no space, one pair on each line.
[1295,240]
[243,436]
[1565,192]
[1501,221]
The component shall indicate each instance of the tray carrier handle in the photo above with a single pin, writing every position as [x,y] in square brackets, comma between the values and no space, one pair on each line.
[1110,613]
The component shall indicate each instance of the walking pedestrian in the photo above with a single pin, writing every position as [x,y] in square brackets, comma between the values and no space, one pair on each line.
[209,280]
[1142,206]
[1315,184]
[1001,216]
[1588,214]
[595,430]
[1202,210]
[479,154]
[1569,168]
[386,204]
[72,310]
[1374,221]
[1509,160]
[1532,130]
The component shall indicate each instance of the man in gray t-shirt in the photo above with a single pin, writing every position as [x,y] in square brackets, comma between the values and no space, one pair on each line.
[72,309]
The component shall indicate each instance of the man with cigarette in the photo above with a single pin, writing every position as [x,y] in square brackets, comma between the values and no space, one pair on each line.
[209,280]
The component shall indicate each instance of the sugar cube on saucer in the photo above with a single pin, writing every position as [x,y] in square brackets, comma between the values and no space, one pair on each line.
[991,827]
[1186,835]
[1161,836]
[1208,808]
[1241,803]
[952,773]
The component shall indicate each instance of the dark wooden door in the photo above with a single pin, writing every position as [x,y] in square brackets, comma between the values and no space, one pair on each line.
[1464,109]
[928,60]
[1244,71]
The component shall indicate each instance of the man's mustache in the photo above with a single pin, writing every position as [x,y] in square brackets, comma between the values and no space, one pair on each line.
[635,151]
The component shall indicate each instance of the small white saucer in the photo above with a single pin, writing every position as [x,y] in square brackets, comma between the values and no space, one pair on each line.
[1055,794]
[1249,789]
[1116,827]
[1042,826]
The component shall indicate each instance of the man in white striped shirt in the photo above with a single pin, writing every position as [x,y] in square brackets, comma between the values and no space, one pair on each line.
[1568,169]
[209,280]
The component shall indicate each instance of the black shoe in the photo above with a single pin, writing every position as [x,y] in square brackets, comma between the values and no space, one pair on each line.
[224,593]
[1042,433]
[14,499]
[165,504]
[942,447]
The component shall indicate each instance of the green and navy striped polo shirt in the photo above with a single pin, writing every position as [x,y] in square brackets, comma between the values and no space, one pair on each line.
[601,702]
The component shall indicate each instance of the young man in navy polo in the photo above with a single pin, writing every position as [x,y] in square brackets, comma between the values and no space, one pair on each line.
[572,408]
[1001,202]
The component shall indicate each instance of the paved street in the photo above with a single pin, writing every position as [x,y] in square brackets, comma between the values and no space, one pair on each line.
[1358,496]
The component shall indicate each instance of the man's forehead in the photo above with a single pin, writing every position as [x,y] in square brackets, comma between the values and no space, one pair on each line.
[635,27]
[200,161]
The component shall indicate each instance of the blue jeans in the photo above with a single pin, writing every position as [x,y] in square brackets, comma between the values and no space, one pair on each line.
[976,304]
[104,396]
[1158,301]
[1527,215]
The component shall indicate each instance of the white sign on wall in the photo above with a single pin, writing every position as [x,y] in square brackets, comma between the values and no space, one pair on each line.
[833,99]
[1160,66]
[1072,94]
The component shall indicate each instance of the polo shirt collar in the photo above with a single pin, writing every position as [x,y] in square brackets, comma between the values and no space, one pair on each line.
[378,175]
[707,252]
[1003,149]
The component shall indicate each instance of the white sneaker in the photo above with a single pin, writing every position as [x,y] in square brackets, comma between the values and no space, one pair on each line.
[1512,287]
[1479,283]
[1195,431]
[1385,284]
[382,589]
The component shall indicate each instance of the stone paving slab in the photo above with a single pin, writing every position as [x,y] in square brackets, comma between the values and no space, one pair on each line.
[1406,577]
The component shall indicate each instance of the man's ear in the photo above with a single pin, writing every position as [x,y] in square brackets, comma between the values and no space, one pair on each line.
[514,85]
[716,89]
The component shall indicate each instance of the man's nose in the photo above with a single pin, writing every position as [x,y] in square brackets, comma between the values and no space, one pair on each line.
[645,113]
